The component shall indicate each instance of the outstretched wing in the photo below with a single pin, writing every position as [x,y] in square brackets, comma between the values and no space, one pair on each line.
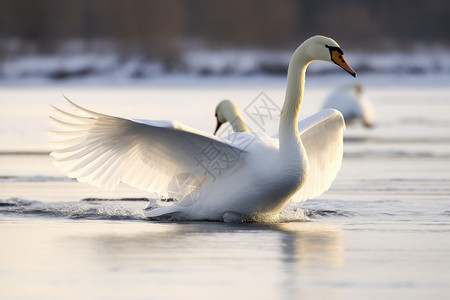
[322,136]
[150,155]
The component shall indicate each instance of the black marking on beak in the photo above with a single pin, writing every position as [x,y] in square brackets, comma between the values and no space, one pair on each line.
[339,50]
[334,48]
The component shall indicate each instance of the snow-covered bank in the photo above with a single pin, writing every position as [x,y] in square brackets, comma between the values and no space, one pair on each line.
[110,67]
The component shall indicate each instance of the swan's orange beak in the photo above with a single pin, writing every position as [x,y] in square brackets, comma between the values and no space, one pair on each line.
[337,56]
[217,126]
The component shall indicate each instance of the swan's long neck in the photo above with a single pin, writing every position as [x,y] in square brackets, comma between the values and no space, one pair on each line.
[288,130]
[239,124]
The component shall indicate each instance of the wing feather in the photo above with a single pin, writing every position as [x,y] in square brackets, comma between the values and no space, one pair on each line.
[105,150]
[322,136]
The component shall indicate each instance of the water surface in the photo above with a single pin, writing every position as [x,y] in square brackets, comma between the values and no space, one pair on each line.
[380,232]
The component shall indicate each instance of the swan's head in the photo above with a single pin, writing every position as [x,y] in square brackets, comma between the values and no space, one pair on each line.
[323,48]
[227,111]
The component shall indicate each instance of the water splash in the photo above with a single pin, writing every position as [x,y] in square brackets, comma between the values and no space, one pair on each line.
[91,210]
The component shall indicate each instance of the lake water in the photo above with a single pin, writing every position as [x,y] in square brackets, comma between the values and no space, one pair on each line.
[381,232]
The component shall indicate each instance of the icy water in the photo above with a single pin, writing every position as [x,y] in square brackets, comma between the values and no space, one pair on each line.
[381,232]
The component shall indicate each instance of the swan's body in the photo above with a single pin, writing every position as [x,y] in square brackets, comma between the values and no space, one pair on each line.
[352,103]
[253,177]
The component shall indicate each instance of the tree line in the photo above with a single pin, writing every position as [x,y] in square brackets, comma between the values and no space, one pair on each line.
[163,27]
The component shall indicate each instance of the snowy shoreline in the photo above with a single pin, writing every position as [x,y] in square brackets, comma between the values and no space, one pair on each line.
[110,67]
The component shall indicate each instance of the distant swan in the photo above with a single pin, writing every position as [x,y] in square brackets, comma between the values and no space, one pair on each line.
[352,103]
[245,178]
[228,111]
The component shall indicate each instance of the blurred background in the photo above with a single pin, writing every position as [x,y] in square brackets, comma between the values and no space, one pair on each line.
[382,228]
[72,39]
[163,55]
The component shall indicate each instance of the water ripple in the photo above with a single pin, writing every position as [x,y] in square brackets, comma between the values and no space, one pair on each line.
[93,210]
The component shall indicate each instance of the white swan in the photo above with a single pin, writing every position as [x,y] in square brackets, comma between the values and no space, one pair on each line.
[228,111]
[251,178]
[352,103]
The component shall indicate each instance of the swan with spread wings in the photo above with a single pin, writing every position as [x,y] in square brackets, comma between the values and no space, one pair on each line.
[245,177]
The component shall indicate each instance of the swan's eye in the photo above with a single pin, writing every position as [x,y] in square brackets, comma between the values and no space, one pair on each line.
[334,48]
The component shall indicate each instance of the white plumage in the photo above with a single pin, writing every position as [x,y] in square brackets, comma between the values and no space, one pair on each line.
[322,137]
[104,150]
[246,177]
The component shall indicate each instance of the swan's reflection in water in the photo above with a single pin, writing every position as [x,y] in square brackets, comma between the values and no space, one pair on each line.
[210,256]
[311,243]
[303,243]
